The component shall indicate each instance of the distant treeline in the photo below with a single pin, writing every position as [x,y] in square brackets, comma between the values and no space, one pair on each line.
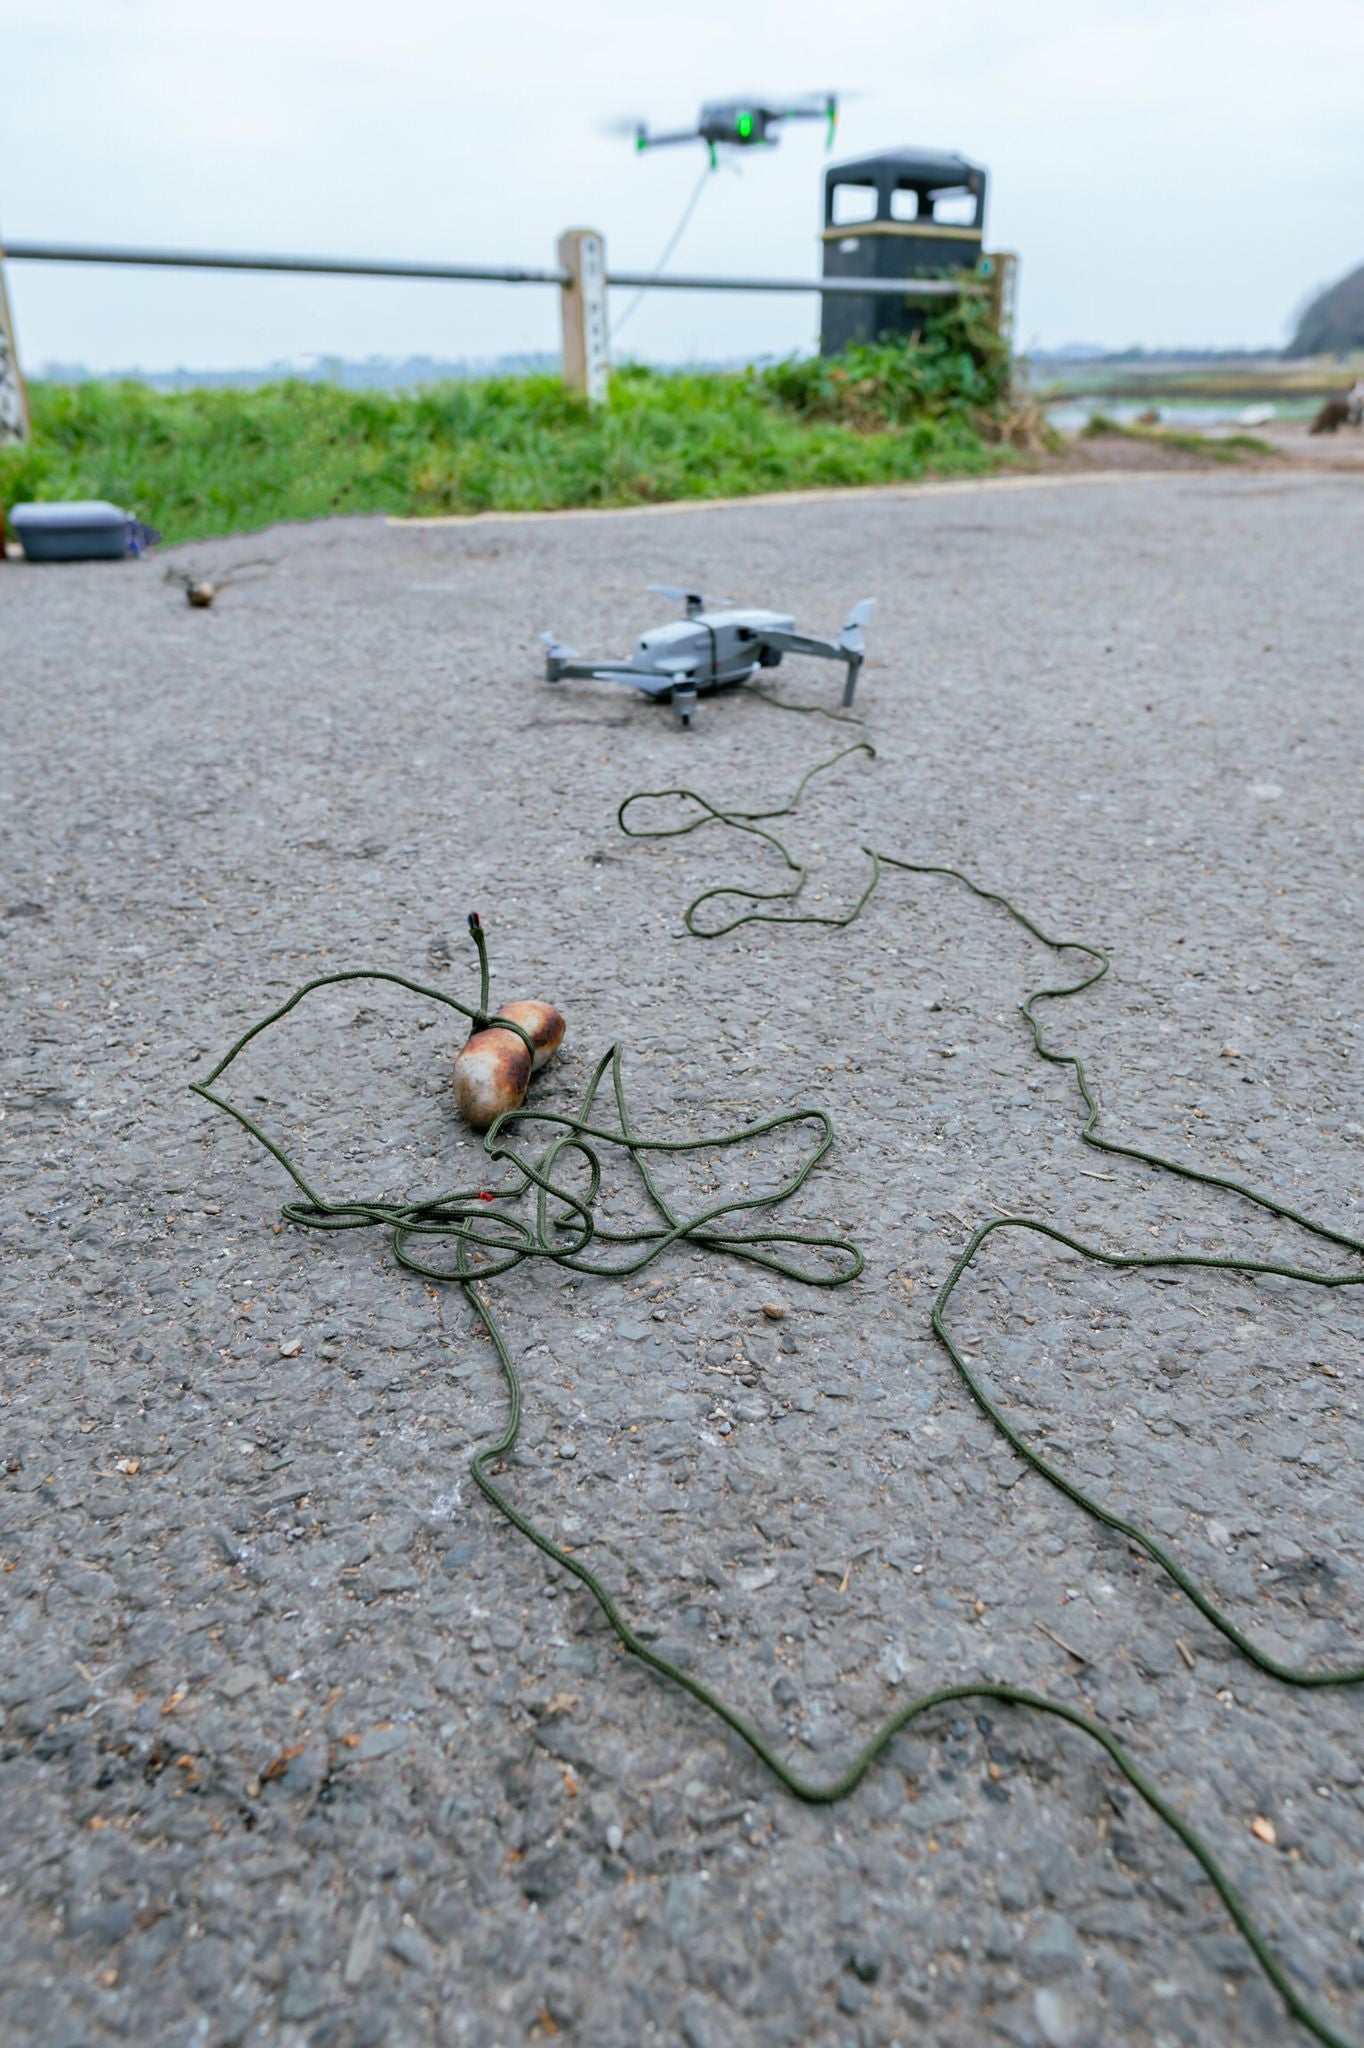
[1333,322]
[372,373]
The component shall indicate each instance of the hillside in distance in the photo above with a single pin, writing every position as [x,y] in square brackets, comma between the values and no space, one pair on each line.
[1333,322]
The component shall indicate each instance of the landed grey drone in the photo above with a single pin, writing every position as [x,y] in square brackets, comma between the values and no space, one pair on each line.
[713,646]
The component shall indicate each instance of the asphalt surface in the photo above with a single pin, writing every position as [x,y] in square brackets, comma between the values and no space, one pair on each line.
[302,1745]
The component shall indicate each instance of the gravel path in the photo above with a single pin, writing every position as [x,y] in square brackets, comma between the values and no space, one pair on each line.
[301,1745]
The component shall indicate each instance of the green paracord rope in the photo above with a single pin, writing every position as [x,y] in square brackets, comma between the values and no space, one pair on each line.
[482,1229]
[752,822]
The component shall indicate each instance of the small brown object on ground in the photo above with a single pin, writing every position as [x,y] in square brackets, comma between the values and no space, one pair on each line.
[1333,415]
[493,1068]
[543,1026]
[1062,1644]
[200,591]
[492,1074]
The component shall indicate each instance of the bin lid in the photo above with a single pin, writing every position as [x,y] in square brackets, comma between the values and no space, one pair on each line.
[933,170]
[73,512]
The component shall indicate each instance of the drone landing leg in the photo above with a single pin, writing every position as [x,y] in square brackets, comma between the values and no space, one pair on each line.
[849,688]
[684,703]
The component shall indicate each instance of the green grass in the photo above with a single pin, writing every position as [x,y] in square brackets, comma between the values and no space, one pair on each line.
[1212,447]
[207,462]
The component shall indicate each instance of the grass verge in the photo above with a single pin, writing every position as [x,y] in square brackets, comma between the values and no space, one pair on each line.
[208,462]
[1212,447]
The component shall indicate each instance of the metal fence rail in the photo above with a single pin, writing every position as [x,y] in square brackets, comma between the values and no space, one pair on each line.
[581,276]
[320,266]
[466,273]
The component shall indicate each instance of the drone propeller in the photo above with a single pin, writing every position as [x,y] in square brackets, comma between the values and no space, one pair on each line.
[811,106]
[817,105]
[557,656]
[692,599]
[642,135]
[852,639]
[632,125]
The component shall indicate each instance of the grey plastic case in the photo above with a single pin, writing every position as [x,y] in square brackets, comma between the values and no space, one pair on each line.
[87,531]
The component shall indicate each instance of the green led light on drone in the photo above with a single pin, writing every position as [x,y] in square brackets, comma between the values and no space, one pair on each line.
[744,127]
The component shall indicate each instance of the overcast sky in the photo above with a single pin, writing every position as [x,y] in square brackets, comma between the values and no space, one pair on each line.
[1170,171]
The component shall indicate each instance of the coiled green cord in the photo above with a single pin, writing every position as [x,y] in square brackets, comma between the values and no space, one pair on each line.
[752,822]
[480,1227]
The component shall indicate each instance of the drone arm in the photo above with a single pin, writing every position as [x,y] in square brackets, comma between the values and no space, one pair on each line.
[800,643]
[650,681]
[556,668]
[825,650]
[653,682]
[652,141]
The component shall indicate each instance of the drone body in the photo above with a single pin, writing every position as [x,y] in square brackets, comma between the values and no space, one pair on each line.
[746,123]
[711,647]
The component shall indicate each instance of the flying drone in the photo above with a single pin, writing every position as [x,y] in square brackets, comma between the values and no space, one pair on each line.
[743,124]
[711,647]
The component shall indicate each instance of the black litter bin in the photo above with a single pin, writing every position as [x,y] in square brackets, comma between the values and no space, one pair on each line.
[904,213]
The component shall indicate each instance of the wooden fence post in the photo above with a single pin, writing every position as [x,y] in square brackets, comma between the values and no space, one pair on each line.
[14,424]
[1002,284]
[582,305]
